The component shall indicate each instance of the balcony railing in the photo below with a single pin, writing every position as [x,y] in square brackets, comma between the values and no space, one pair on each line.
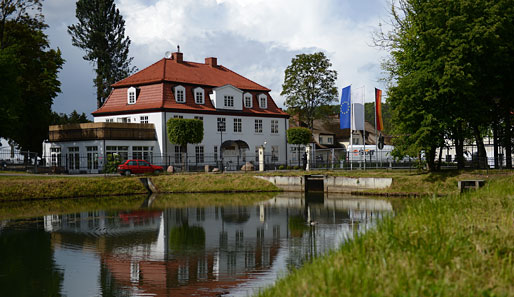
[108,131]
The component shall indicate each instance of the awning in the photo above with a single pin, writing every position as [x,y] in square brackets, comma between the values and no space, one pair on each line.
[229,143]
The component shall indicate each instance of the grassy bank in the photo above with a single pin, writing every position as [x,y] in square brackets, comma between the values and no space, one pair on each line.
[412,182]
[404,182]
[450,246]
[39,208]
[14,188]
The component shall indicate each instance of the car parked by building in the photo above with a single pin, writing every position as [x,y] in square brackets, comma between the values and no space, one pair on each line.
[138,166]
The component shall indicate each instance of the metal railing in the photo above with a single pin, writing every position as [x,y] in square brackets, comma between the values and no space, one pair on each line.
[74,163]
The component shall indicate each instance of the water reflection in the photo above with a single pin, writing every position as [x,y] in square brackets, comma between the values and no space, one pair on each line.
[205,251]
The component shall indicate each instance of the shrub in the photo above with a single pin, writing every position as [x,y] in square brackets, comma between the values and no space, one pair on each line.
[112,163]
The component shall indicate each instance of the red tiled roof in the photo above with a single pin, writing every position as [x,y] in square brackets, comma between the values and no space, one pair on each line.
[155,90]
[189,72]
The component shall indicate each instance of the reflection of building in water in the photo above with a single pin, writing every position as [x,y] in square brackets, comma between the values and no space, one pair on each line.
[209,250]
[102,222]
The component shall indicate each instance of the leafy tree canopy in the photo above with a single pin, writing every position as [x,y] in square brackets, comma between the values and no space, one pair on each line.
[73,118]
[184,131]
[100,31]
[308,84]
[444,71]
[298,135]
[29,81]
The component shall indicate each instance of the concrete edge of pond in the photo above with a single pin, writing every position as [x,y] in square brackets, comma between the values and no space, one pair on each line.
[331,184]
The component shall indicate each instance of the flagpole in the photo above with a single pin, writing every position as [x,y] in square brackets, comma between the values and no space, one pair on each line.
[376,135]
[351,130]
[364,123]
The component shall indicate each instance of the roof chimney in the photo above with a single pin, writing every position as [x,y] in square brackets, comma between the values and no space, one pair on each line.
[177,56]
[211,61]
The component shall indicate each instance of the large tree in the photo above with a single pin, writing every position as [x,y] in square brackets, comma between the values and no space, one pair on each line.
[15,11]
[30,75]
[443,75]
[308,84]
[100,31]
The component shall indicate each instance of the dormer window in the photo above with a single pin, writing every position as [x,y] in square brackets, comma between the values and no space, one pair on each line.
[248,100]
[180,94]
[199,96]
[263,101]
[131,95]
[229,101]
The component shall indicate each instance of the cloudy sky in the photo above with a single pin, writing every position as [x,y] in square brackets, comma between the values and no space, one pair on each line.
[255,38]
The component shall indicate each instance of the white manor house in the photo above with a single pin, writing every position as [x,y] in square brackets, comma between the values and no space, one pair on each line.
[239,116]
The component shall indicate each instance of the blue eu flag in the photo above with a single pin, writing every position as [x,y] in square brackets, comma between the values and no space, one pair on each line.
[345,112]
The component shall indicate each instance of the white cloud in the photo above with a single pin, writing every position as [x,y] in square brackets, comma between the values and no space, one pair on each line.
[256,38]
[291,25]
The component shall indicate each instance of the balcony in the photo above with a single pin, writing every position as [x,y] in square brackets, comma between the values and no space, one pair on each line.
[101,131]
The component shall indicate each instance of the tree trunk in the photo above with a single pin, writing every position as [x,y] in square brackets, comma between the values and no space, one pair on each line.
[481,153]
[459,148]
[440,157]
[430,157]
[508,139]
[495,143]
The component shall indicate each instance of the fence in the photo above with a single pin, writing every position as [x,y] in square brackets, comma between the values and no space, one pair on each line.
[331,159]
[14,160]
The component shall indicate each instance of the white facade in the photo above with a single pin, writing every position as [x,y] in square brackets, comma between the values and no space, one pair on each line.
[90,156]
[275,143]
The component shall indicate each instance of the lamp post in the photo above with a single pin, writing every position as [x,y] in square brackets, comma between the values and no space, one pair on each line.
[221,127]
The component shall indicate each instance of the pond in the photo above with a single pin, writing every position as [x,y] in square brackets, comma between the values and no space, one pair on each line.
[218,250]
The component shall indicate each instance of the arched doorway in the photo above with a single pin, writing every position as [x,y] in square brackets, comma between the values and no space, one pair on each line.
[234,153]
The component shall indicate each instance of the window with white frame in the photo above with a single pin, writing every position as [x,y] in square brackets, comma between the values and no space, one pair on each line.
[238,126]
[121,151]
[178,117]
[180,94]
[274,126]
[248,100]
[199,154]
[143,119]
[92,157]
[123,120]
[143,152]
[215,153]
[263,101]
[199,118]
[199,96]
[73,158]
[258,126]
[55,153]
[109,120]
[131,95]
[228,100]
[330,140]
[256,153]
[222,127]
[274,153]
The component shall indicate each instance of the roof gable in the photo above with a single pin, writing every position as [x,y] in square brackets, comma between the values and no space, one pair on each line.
[231,87]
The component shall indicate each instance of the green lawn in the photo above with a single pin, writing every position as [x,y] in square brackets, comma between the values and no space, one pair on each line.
[13,188]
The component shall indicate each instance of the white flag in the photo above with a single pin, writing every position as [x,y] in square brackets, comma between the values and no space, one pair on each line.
[358,117]
[358,109]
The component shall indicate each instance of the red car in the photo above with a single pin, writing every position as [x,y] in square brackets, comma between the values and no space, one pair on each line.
[138,166]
